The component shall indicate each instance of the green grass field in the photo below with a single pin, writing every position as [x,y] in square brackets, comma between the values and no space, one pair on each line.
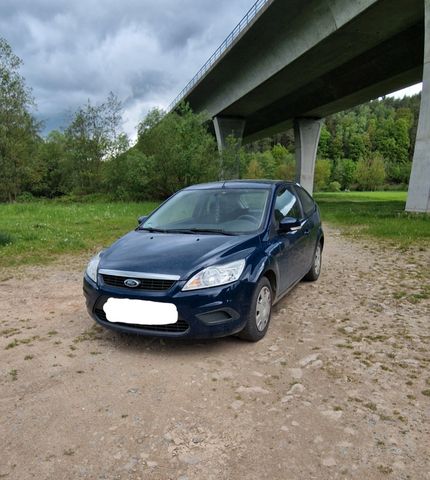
[35,233]
[38,232]
[376,214]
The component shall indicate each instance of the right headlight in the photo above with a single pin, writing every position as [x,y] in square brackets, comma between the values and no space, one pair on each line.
[216,275]
[92,267]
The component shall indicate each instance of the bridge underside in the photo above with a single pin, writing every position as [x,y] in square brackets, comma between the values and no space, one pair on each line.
[309,59]
[390,66]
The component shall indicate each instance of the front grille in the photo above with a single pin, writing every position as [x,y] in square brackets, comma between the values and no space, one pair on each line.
[179,327]
[145,283]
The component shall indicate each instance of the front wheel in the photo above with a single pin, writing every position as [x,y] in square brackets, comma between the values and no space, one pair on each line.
[261,310]
[315,270]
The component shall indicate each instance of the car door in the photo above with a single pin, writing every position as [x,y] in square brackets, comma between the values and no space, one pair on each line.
[289,245]
[309,228]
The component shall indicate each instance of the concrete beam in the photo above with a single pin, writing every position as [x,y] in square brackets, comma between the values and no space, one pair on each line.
[228,127]
[307,134]
[419,183]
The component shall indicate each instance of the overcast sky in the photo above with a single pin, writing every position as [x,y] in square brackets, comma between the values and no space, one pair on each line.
[145,51]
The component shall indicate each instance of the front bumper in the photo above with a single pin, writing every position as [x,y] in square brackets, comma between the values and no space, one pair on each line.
[206,313]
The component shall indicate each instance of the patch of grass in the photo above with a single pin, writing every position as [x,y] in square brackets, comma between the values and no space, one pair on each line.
[426,392]
[423,294]
[14,374]
[385,469]
[5,239]
[9,332]
[385,418]
[90,334]
[22,341]
[371,406]
[37,232]
[376,214]
[12,344]
[29,357]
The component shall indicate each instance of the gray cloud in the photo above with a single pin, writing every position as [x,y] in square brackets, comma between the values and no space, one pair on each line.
[144,51]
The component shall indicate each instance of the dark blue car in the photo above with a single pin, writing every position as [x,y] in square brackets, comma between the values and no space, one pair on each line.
[211,261]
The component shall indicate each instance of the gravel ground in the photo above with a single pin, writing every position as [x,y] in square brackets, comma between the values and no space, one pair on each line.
[339,388]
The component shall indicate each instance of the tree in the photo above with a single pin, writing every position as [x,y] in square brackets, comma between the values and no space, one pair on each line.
[93,136]
[322,174]
[254,170]
[50,166]
[179,149]
[231,160]
[344,172]
[125,176]
[370,173]
[18,129]
[324,146]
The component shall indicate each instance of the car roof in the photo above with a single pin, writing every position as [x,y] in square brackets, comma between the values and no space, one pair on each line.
[257,184]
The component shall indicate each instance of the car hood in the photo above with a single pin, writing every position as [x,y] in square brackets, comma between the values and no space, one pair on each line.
[174,253]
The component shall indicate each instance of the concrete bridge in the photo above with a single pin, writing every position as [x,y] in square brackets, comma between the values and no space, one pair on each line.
[290,63]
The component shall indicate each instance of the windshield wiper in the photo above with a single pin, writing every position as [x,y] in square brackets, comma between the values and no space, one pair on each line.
[152,229]
[201,230]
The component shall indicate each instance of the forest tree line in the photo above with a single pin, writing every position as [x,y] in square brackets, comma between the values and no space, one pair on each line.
[366,148]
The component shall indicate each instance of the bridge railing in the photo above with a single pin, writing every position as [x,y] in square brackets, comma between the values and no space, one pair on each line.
[242,25]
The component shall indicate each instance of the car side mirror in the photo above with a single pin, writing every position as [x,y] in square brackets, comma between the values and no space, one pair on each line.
[289,224]
[142,219]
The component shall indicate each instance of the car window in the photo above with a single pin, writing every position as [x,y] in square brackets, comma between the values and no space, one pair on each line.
[307,202]
[184,210]
[232,210]
[286,205]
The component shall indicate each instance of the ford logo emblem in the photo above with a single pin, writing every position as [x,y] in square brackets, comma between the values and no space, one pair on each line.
[131,282]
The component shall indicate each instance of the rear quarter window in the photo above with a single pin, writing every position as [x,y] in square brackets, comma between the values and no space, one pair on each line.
[307,201]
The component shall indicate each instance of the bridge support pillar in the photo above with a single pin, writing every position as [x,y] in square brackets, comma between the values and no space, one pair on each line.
[228,127]
[307,134]
[419,183]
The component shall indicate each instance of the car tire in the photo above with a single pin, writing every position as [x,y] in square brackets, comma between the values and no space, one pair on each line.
[260,313]
[315,270]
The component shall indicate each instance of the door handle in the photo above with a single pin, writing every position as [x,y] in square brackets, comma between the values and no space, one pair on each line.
[306,231]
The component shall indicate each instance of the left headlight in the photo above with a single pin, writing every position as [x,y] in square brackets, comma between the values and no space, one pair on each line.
[92,267]
[216,275]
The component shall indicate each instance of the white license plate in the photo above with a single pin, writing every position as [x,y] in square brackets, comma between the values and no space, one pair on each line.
[140,312]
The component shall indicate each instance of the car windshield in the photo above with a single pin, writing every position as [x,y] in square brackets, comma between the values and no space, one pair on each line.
[222,210]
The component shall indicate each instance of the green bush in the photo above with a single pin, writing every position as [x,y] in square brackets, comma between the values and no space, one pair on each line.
[334,186]
[25,197]
[370,173]
[344,172]
[399,172]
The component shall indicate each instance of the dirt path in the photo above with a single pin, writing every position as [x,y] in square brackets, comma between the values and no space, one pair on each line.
[333,391]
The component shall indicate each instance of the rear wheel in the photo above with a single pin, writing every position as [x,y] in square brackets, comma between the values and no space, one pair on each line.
[261,310]
[315,270]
